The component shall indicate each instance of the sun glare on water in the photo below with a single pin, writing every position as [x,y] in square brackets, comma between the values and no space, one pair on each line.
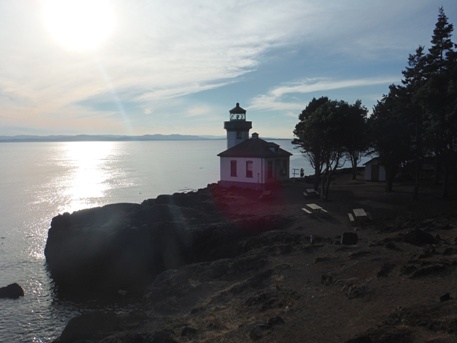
[79,25]
[88,180]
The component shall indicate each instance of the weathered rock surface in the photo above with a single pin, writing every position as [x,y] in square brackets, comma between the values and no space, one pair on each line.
[12,291]
[396,284]
[124,246]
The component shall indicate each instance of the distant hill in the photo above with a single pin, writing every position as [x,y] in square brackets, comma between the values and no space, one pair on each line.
[88,138]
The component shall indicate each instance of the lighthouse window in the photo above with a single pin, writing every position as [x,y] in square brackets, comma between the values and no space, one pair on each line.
[233,168]
[248,168]
[239,135]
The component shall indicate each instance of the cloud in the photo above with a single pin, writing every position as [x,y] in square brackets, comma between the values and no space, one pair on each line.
[158,52]
[163,53]
[289,97]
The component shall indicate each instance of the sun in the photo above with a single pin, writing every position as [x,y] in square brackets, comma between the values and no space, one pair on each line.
[79,25]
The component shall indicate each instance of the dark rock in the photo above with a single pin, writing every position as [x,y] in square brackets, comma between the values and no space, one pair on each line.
[161,337]
[127,337]
[229,268]
[326,279]
[384,335]
[321,259]
[386,268]
[124,246]
[419,237]
[349,238]
[271,238]
[258,281]
[269,300]
[391,246]
[189,332]
[360,339]
[275,321]
[449,251]
[358,254]
[429,270]
[90,326]
[445,297]
[257,332]
[427,252]
[12,291]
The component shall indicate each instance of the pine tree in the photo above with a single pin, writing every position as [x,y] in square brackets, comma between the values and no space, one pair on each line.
[437,97]
[415,77]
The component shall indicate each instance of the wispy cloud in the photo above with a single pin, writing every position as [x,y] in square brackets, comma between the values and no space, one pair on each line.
[290,96]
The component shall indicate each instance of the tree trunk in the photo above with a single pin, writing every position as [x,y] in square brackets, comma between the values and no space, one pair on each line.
[327,186]
[317,177]
[418,156]
[354,161]
[389,179]
[322,190]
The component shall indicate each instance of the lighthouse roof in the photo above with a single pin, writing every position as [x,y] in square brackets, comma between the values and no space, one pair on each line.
[237,109]
[255,147]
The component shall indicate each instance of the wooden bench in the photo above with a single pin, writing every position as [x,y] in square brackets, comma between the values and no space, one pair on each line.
[307,211]
[311,193]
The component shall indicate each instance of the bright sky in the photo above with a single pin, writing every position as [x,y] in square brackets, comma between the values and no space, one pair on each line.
[178,66]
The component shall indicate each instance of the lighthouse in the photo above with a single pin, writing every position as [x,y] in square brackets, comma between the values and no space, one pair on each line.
[237,127]
[250,162]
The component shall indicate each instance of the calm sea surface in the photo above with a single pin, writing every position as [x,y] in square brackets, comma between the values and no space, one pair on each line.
[40,180]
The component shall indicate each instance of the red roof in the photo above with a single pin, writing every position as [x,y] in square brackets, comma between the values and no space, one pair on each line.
[255,147]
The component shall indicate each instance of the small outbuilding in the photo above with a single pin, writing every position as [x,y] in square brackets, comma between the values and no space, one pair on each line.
[374,170]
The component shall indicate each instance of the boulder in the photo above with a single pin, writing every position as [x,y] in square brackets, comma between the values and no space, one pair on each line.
[445,297]
[349,238]
[419,237]
[12,291]
[90,326]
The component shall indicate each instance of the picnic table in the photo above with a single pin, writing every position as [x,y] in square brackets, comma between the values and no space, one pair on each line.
[359,215]
[313,208]
[310,192]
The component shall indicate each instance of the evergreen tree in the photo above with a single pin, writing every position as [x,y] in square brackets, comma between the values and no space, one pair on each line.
[437,97]
[391,132]
[414,79]
[356,140]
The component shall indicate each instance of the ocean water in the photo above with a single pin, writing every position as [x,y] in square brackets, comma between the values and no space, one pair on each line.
[41,180]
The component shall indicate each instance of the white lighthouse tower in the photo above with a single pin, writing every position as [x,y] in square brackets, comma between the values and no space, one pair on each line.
[237,128]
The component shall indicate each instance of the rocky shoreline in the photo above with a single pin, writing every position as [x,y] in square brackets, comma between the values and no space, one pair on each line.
[123,247]
[225,266]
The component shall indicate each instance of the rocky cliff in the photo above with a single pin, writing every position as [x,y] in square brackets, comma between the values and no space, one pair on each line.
[249,270]
[124,246]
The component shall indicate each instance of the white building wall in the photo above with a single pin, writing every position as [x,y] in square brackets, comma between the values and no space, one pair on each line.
[225,170]
[367,173]
[370,176]
[382,173]
[260,170]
